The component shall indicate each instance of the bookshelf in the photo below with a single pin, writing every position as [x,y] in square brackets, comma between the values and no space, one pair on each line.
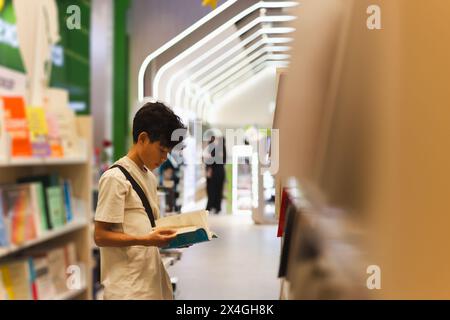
[78,171]
[320,151]
[20,162]
[67,229]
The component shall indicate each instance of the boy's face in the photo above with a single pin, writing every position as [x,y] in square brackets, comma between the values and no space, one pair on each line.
[152,154]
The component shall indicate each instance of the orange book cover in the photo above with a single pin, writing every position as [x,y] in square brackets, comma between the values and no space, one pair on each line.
[17,204]
[18,219]
[16,126]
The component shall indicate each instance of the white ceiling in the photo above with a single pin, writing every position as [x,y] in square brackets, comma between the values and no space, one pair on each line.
[253,101]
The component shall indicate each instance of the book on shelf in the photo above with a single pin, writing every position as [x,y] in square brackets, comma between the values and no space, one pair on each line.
[3,138]
[285,201]
[54,136]
[38,131]
[56,206]
[16,127]
[32,279]
[67,190]
[51,267]
[292,215]
[17,279]
[44,287]
[52,212]
[32,207]
[3,292]
[18,213]
[62,119]
[41,275]
[35,211]
[192,227]
[4,232]
[57,263]
[38,204]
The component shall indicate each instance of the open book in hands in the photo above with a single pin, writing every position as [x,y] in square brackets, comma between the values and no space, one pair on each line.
[191,227]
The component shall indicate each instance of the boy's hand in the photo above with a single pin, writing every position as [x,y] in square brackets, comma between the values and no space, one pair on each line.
[159,237]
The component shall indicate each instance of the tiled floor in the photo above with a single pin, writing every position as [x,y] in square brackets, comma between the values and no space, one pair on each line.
[241,264]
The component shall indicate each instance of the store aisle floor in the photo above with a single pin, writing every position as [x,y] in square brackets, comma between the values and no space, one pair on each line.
[241,264]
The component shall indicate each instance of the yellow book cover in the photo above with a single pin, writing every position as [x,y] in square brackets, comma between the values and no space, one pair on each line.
[7,282]
[37,123]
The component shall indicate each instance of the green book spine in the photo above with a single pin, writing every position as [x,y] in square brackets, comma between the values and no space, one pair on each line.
[56,206]
[40,195]
[47,180]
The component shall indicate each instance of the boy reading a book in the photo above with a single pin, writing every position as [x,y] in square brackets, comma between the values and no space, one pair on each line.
[131,266]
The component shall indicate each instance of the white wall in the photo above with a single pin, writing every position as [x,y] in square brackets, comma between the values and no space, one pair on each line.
[251,103]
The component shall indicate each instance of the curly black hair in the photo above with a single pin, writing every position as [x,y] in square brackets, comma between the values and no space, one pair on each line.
[159,122]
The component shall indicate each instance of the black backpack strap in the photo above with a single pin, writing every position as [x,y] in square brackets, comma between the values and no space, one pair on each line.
[139,191]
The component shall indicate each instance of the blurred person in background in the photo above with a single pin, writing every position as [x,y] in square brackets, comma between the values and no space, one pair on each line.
[169,176]
[215,160]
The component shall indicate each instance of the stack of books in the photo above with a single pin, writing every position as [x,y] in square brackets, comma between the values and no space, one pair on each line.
[32,207]
[43,275]
[38,131]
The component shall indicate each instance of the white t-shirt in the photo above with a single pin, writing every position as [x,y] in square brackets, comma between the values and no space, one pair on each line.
[135,272]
